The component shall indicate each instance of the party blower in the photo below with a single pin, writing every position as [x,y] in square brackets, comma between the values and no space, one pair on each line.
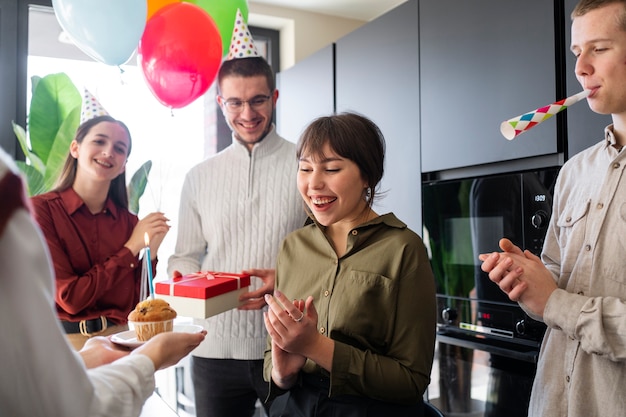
[520,124]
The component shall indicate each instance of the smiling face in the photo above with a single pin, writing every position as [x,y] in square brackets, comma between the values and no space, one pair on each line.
[102,153]
[332,187]
[599,43]
[251,124]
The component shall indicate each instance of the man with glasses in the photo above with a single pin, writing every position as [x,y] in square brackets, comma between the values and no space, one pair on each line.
[235,209]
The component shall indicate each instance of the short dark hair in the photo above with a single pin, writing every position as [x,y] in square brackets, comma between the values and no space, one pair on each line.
[351,136]
[246,67]
[117,189]
[585,6]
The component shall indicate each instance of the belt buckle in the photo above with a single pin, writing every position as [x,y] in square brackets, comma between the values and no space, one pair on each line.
[82,326]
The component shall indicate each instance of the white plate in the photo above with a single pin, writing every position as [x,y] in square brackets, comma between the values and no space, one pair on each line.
[129,339]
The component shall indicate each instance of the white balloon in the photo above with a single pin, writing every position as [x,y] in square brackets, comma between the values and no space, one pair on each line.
[106,30]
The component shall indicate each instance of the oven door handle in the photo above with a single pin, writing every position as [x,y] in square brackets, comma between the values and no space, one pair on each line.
[484,344]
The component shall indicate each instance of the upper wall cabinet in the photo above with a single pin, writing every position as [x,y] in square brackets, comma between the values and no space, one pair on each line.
[483,62]
[377,75]
[306,91]
[584,127]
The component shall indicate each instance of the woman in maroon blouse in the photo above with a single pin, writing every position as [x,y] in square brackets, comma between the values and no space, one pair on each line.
[94,240]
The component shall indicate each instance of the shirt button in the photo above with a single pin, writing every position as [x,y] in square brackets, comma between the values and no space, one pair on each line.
[569,219]
[616,165]
[600,205]
[587,248]
[322,330]
[580,292]
[326,293]
[355,232]
[132,265]
[567,378]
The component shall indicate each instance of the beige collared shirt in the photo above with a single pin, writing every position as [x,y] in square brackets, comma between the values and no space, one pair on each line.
[582,366]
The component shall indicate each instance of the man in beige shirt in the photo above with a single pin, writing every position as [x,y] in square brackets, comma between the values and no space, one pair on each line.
[578,287]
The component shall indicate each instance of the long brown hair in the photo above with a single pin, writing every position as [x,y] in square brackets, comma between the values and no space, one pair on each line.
[117,189]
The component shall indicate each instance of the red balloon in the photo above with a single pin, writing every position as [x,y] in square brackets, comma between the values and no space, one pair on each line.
[180,53]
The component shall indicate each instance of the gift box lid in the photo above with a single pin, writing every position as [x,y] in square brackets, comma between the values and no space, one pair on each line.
[203,285]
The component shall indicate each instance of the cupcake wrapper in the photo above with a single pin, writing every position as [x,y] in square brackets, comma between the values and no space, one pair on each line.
[146,329]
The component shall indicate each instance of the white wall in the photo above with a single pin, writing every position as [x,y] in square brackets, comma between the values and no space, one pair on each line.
[301,33]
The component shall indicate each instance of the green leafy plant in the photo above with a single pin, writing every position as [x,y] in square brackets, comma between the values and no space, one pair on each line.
[52,123]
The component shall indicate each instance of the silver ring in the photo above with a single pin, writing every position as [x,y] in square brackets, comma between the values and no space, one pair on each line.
[299,319]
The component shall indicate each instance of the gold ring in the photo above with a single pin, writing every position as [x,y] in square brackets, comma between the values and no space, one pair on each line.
[299,319]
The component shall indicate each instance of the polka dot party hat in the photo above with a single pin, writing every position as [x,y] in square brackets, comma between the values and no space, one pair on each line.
[91,107]
[241,43]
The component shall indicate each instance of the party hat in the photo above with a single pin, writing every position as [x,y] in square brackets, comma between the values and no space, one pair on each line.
[241,43]
[91,107]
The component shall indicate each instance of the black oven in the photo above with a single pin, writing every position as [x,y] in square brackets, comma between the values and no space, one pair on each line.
[463,218]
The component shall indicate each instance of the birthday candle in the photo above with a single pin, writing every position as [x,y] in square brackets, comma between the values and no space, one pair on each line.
[520,124]
[148,264]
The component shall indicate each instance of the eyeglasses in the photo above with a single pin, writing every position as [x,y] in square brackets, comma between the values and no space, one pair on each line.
[234,105]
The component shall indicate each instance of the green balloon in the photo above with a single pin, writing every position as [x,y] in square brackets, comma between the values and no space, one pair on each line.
[223,13]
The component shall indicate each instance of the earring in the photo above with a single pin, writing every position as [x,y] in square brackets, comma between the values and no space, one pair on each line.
[368,194]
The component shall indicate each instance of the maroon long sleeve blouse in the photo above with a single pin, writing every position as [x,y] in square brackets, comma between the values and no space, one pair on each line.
[95,274]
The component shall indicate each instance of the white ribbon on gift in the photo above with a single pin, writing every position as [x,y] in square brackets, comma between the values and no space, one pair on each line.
[201,275]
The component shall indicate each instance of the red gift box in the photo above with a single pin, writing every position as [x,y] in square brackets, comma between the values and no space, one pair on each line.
[203,294]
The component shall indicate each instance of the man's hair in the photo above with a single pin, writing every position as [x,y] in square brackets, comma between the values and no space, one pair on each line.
[246,67]
[585,6]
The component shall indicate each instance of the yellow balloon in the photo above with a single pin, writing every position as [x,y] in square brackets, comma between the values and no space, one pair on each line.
[154,5]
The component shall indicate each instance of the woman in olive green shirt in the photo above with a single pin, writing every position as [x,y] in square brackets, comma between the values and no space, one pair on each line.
[352,322]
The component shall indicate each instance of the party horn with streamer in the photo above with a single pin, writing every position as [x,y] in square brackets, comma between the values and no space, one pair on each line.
[520,124]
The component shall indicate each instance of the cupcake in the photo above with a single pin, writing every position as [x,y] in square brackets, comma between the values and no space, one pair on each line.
[150,317]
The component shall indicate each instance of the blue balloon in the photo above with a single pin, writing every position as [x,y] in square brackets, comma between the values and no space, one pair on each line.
[106,30]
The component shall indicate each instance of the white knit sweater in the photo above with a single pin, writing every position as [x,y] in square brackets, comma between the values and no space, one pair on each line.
[235,209]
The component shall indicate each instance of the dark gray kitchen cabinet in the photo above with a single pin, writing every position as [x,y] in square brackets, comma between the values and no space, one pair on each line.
[483,62]
[377,75]
[584,127]
[306,91]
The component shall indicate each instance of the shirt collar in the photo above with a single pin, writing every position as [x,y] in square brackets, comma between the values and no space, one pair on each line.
[270,143]
[73,203]
[609,136]
[389,219]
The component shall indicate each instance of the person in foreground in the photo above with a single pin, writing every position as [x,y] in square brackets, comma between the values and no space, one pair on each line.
[93,238]
[578,286]
[40,374]
[358,338]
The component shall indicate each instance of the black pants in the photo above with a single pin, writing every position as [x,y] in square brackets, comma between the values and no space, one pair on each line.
[311,400]
[227,387]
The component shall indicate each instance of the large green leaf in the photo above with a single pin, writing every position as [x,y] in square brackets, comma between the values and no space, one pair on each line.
[34,178]
[60,147]
[54,98]
[33,159]
[137,186]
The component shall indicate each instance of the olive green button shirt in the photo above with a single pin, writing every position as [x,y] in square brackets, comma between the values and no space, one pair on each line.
[377,302]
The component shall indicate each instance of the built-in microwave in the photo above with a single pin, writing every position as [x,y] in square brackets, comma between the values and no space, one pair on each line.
[463,218]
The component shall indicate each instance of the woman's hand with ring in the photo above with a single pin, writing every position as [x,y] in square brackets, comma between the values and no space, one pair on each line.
[291,324]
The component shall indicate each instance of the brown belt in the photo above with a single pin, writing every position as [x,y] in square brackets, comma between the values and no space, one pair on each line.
[87,327]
